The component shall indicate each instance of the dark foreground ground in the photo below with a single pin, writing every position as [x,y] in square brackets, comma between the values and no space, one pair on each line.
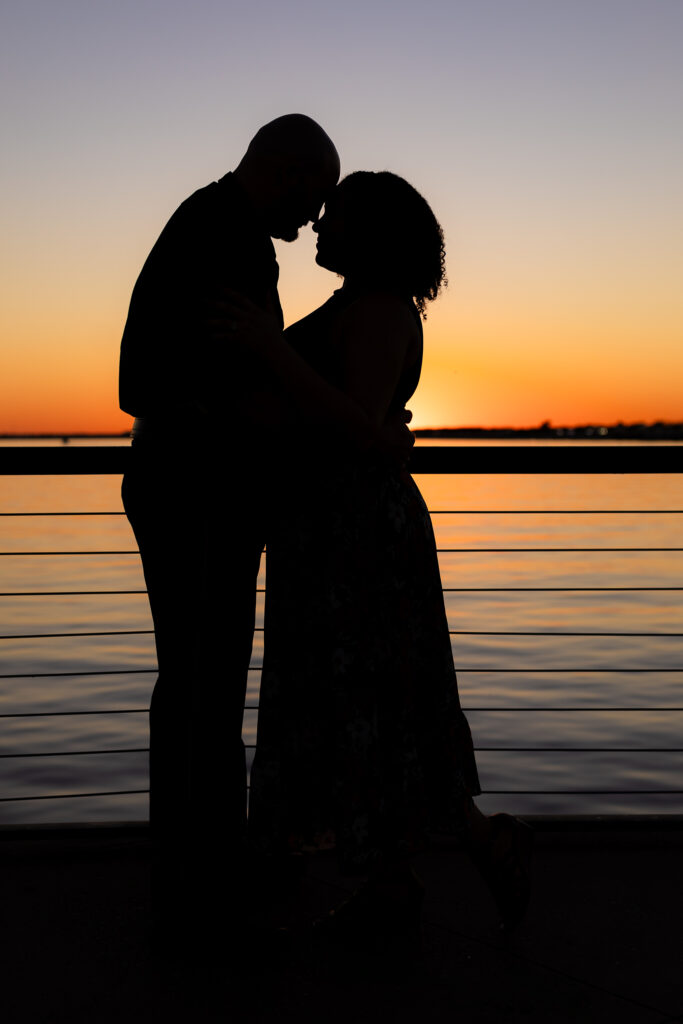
[603,940]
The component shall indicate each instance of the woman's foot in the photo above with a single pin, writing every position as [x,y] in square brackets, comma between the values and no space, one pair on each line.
[504,861]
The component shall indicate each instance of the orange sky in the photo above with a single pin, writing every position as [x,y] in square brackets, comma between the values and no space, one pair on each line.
[546,137]
[539,347]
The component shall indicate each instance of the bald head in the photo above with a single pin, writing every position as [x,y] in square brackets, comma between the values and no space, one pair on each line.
[294,137]
[290,166]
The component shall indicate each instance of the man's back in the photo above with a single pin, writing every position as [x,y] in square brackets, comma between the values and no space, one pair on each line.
[169,366]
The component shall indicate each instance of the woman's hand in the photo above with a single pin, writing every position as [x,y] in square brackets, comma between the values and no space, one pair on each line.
[235,318]
[395,440]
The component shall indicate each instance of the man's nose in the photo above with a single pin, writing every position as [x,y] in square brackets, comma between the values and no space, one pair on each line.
[314,213]
[314,206]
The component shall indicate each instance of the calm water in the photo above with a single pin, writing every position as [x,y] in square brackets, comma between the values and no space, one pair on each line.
[496,670]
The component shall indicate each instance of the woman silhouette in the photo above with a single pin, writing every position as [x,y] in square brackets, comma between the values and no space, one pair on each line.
[362,743]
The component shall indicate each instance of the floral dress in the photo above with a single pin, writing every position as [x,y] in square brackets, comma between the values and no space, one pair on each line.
[361,742]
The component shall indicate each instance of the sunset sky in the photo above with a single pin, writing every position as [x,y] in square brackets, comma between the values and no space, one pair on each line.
[547,135]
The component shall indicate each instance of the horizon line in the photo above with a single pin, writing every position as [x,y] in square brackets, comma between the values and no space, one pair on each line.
[545,427]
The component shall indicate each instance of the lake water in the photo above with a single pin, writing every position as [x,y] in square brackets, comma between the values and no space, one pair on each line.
[623,685]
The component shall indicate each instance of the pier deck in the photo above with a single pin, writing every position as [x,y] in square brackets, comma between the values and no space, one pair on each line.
[603,940]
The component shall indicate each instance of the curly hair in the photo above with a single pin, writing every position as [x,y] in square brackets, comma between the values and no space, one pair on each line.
[402,241]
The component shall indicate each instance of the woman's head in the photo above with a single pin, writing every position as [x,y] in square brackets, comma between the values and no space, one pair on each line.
[379,230]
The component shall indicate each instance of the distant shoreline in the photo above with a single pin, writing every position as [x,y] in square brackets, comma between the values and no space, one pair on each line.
[58,436]
[595,432]
[592,432]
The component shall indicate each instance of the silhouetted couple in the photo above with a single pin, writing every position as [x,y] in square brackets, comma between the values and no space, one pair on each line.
[246,434]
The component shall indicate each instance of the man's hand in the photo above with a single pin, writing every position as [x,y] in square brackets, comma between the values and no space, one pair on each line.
[236,318]
[395,440]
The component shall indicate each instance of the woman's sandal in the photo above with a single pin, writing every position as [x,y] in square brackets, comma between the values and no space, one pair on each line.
[506,867]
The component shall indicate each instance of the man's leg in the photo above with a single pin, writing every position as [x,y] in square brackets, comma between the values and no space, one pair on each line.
[225,638]
[200,567]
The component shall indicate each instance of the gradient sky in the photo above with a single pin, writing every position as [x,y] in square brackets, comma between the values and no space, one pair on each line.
[547,135]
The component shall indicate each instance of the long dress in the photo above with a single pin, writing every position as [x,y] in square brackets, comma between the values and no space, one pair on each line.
[361,740]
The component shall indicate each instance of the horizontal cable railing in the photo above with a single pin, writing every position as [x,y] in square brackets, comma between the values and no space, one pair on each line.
[600,459]
[596,458]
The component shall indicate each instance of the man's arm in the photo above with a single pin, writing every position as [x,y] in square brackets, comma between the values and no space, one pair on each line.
[355,412]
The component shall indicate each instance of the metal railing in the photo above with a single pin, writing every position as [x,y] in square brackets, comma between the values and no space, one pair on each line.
[598,459]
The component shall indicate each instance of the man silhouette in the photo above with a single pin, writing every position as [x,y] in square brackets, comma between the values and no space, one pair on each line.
[194,493]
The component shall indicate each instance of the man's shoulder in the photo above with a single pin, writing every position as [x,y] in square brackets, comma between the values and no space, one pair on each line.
[218,209]
[204,201]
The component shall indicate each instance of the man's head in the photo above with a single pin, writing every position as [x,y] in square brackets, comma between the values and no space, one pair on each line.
[289,168]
